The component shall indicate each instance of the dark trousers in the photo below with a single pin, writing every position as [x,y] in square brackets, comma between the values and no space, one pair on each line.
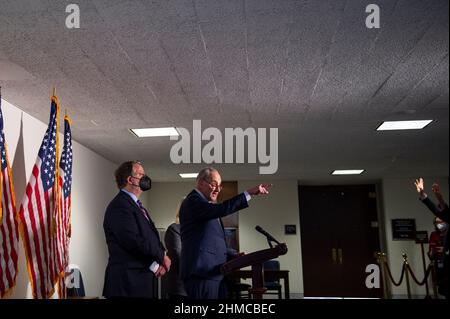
[443,279]
[201,288]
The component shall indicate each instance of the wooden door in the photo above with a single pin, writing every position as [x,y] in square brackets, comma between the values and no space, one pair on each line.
[339,237]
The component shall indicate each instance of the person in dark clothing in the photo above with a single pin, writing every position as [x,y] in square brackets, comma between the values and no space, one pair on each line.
[204,248]
[172,281]
[136,255]
[436,250]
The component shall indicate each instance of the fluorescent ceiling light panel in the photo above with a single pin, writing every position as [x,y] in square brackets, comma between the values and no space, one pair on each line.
[347,172]
[153,132]
[403,125]
[188,175]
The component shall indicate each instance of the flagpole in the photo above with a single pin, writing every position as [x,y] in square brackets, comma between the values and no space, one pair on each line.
[56,185]
[57,192]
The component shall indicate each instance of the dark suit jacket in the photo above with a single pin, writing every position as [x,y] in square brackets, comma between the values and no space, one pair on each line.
[203,240]
[172,280]
[133,245]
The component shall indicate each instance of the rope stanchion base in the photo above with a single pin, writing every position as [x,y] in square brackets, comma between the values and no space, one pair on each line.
[405,272]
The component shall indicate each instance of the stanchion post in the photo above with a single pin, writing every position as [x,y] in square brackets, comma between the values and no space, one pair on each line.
[427,296]
[405,263]
[387,282]
[378,256]
[381,259]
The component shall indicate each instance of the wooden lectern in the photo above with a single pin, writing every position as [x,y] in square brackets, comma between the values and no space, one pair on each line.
[256,260]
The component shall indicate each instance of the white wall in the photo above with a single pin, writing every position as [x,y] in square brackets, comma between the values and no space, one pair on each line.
[400,200]
[163,201]
[92,188]
[272,212]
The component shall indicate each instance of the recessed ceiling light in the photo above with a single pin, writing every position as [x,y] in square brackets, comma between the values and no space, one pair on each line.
[347,172]
[153,132]
[403,125]
[188,175]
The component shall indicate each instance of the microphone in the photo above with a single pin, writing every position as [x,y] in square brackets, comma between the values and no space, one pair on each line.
[269,236]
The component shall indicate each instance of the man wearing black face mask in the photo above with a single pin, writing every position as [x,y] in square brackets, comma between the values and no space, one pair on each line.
[136,255]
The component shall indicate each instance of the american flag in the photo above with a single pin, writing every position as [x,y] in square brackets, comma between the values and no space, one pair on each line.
[9,232]
[38,213]
[65,182]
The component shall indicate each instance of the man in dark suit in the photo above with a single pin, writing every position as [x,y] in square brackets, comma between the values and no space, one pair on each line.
[136,255]
[442,211]
[203,240]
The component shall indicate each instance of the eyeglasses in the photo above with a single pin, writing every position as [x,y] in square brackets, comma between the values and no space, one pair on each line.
[214,184]
[138,175]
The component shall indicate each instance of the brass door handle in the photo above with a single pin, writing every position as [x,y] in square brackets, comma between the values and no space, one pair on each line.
[340,257]
[334,256]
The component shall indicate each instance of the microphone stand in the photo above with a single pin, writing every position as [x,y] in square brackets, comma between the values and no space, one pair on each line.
[270,243]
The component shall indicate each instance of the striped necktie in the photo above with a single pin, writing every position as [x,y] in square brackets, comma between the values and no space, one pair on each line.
[143,210]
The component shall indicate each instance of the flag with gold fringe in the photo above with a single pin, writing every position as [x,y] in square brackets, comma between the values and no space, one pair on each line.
[39,211]
[64,225]
[9,232]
